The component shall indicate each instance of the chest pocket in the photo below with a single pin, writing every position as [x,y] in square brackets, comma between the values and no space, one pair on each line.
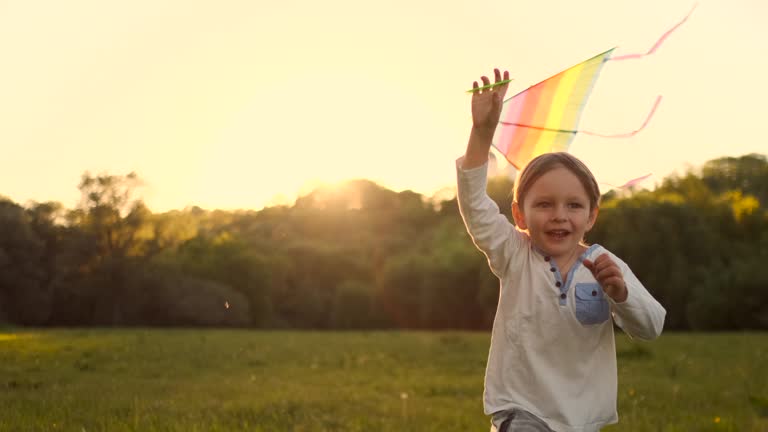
[591,305]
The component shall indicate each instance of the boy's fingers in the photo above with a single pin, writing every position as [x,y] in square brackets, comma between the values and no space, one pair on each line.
[604,261]
[496,87]
[605,274]
[600,266]
[591,267]
[504,87]
[602,258]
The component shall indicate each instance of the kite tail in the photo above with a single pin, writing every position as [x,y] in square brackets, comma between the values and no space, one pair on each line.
[628,134]
[630,183]
[658,42]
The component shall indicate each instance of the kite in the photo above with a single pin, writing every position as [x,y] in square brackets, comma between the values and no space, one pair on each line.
[544,117]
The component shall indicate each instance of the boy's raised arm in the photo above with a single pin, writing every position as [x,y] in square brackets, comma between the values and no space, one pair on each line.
[490,230]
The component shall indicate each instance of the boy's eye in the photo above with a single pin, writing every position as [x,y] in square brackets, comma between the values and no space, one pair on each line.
[575,205]
[541,204]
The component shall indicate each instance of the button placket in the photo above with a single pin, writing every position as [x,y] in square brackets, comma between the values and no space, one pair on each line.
[558,280]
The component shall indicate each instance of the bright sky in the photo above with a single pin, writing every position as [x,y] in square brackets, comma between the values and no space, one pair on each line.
[239,104]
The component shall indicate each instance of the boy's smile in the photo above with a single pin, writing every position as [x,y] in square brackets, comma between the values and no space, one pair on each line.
[556,214]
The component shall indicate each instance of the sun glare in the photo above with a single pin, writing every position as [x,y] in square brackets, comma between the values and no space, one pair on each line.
[286,143]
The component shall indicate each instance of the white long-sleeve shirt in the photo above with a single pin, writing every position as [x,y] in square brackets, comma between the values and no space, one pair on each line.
[552,345]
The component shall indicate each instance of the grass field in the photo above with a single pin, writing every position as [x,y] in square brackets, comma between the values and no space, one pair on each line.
[221,380]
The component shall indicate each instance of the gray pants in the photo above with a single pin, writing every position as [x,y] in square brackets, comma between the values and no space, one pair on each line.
[517,420]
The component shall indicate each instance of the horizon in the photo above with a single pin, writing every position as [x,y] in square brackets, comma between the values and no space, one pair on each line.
[445,193]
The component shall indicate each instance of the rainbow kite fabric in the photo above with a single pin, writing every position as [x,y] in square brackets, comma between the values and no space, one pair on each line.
[544,118]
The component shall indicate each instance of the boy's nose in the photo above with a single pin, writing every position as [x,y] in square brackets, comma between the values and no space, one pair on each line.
[560,214]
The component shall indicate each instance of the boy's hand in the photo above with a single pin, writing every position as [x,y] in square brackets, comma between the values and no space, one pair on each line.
[486,104]
[609,276]
[486,111]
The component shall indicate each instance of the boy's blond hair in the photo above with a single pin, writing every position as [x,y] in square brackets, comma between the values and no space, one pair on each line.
[546,162]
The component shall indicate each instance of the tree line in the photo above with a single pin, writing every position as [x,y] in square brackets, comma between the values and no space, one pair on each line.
[360,256]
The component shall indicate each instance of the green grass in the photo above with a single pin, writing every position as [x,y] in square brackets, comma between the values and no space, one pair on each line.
[221,380]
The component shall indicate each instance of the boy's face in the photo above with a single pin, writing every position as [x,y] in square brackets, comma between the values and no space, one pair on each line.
[556,213]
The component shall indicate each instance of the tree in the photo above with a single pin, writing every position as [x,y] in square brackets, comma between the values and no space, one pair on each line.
[118,226]
[747,174]
[23,295]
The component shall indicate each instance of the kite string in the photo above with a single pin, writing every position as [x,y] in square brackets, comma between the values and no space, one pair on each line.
[658,42]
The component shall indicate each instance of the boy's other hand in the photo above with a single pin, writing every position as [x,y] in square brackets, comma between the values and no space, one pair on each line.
[609,276]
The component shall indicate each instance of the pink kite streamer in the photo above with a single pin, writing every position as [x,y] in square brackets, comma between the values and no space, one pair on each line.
[628,134]
[634,181]
[658,42]
[630,183]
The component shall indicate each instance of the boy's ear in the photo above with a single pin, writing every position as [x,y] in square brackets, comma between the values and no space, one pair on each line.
[517,215]
[592,218]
